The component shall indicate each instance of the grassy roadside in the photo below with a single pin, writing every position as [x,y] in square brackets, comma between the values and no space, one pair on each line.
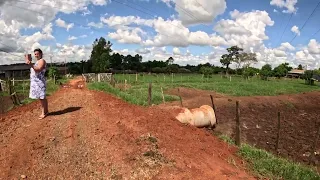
[22,90]
[265,164]
[51,88]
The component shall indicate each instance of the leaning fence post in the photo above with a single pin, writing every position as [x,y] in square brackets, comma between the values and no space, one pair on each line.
[149,93]
[214,107]
[278,133]
[180,98]
[238,130]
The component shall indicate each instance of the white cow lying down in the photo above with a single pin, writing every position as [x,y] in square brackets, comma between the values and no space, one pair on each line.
[199,117]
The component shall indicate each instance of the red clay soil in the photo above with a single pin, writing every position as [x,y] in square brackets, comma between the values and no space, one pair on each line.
[94,135]
[299,116]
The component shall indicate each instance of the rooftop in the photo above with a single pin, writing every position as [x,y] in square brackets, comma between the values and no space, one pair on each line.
[296,71]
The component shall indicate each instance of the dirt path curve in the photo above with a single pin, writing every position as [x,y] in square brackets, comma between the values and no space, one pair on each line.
[93,135]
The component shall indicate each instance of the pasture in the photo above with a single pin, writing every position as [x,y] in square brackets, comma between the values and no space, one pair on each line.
[134,88]
[260,101]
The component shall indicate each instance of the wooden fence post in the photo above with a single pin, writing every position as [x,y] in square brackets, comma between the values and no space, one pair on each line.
[125,85]
[180,98]
[136,77]
[214,108]
[171,77]
[162,96]
[238,130]
[314,147]
[278,132]
[149,93]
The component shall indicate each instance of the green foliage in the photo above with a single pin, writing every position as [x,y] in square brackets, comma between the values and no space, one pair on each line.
[233,56]
[249,72]
[137,94]
[300,67]
[207,71]
[266,71]
[53,72]
[308,77]
[270,166]
[226,60]
[282,70]
[100,55]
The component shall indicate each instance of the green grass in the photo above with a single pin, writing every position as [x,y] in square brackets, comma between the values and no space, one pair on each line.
[137,94]
[238,86]
[22,88]
[268,165]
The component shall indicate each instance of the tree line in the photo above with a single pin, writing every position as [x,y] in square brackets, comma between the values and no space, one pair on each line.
[103,59]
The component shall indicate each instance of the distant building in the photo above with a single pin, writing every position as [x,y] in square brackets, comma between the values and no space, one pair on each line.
[295,73]
[316,77]
[23,70]
[14,71]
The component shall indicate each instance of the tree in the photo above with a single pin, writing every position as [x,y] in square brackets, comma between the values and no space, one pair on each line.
[53,72]
[226,60]
[282,70]
[100,55]
[249,72]
[233,56]
[116,61]
[266,71]
[207,71]
[300,67]
[248,59]
[170,61]
[308,77]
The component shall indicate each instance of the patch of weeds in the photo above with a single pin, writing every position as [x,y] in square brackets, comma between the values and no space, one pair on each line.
[265,164]
[227,139]
[148,163]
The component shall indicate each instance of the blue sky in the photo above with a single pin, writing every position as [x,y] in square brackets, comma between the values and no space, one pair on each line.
[251,20]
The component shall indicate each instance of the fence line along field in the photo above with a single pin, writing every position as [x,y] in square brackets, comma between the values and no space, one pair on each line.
[21,88]
[259,101]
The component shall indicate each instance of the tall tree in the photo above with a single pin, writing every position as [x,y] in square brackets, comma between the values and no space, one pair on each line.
[100,55]
[266,71]
[116,61]
[282,70]
[248,59]
[234,53]
[300,67]
[170,61]
[226,60]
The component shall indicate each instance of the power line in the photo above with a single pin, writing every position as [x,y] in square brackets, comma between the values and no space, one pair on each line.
[306,21]
[285,28]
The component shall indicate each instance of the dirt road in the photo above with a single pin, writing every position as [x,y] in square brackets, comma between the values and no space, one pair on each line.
[93,135]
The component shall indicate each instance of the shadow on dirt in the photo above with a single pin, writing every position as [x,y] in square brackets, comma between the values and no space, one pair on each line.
[65,111]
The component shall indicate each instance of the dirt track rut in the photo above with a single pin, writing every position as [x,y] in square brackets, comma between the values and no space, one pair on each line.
[93,135]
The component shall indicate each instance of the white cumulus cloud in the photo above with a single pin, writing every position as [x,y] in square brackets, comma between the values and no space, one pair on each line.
[288,4]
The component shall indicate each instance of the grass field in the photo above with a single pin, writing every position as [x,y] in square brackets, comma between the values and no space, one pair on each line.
[238,86]
[137,91]
[265,164]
